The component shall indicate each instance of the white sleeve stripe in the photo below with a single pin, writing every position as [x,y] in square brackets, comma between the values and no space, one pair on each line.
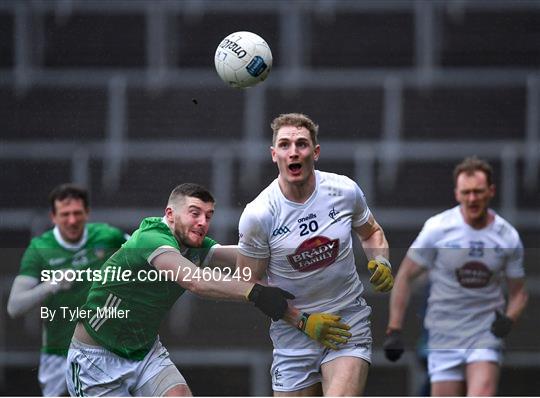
[363,220]
[161,250]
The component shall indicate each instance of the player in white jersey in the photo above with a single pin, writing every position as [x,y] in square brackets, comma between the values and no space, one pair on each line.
[468,250]
[297,235]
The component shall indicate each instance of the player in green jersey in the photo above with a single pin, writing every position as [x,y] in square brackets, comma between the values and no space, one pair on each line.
[115,349]
[75,245]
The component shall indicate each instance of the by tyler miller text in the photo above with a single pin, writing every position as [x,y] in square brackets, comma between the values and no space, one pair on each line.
[74,314]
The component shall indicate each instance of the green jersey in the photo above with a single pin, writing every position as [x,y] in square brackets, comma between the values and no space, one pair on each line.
[48,252]
[124,311]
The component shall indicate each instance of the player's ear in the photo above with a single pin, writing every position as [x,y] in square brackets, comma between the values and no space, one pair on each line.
[273,153]
[492,190]
[317,152]
[169,214]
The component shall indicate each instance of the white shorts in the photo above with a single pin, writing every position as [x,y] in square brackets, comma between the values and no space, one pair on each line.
[449,365]
[95,371]
[52,375]
[298,358]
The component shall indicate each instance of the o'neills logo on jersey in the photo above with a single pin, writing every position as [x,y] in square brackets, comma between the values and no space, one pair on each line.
[314,253]
[473,275]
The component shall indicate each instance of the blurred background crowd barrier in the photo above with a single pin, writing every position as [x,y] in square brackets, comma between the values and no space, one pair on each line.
[122,97]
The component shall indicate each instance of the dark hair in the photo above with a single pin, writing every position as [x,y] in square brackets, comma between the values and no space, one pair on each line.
[296,120]
[192,190]
[472,164]
[68,191]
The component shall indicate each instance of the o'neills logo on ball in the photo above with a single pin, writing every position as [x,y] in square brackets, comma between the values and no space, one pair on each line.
[314,253]
[234,47]
[473,275]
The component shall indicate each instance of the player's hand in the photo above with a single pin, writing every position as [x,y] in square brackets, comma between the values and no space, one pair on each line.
[393,345]
[270,300]
[502,325]
[381,274]
[325,328]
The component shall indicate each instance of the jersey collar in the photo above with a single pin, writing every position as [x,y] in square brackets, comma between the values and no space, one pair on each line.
[311,197]
[67,245]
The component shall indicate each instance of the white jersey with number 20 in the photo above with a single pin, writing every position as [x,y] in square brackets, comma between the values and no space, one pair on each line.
[309,245]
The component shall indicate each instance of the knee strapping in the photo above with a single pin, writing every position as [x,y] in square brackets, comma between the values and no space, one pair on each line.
[158,385]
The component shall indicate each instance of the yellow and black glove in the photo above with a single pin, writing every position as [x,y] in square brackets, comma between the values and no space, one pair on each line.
[381,274]
[325,328]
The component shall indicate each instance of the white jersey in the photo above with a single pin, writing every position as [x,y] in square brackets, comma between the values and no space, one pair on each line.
[309,245]
[466,266]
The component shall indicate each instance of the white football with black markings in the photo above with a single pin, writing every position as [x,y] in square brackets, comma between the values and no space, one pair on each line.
[243,59]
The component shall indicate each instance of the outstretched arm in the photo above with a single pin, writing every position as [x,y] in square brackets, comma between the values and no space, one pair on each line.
[270,300]
[178,268]
[27,292]
[223,256]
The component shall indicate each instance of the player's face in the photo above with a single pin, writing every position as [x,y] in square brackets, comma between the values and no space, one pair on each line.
[474,194]
[191,220]
[295,154]
[70,216]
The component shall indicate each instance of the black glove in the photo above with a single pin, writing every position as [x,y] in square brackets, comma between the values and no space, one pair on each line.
[393,345]
[270,300]
[501,325]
